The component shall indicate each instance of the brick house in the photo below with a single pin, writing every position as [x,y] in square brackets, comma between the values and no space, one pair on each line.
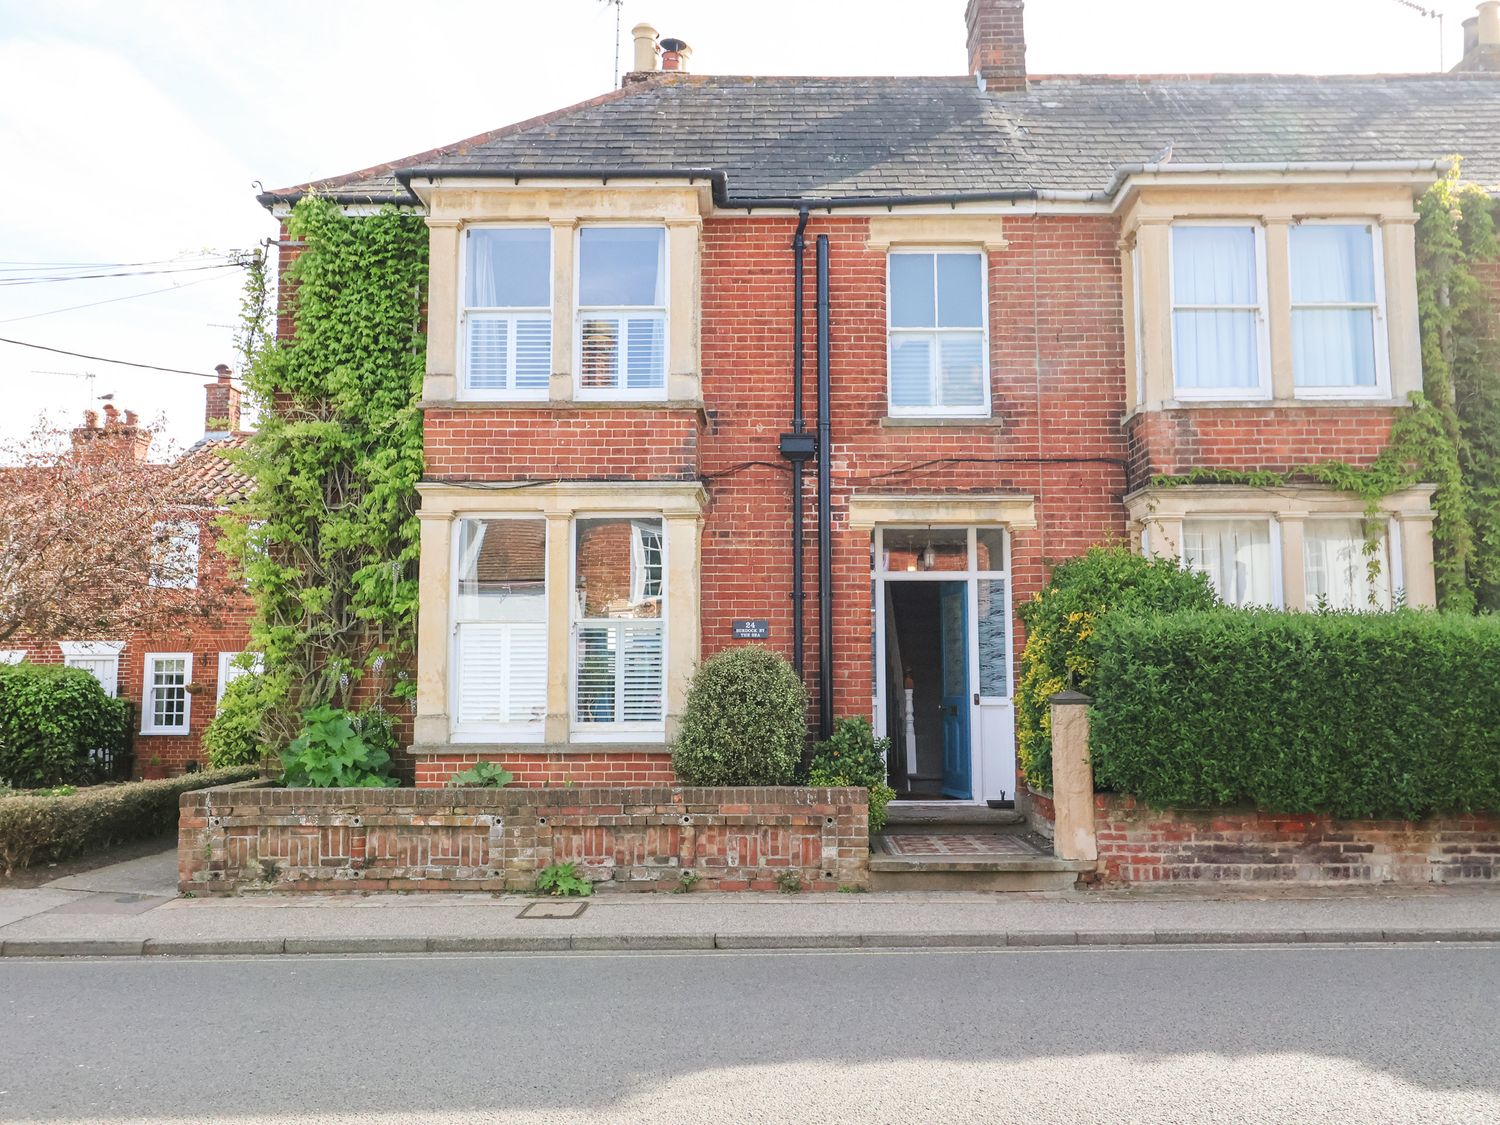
[842,365]
[173,676]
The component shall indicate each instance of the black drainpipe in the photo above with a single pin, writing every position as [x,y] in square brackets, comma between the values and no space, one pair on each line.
[797,446]
[825,515]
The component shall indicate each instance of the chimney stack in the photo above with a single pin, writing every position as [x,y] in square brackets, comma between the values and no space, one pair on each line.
[997,43]
[118,437]
[221,412]
[675,54]
[1482,39]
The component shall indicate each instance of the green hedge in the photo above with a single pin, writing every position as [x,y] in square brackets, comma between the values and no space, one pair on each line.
[52,828]
[50,718]
[1354,715]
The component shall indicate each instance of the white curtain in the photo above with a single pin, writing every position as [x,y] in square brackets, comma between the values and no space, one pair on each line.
[1216,298]
[1236,556]
[1337,566]
[1333,268]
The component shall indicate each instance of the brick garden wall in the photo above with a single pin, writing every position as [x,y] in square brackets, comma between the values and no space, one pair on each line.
[257,838]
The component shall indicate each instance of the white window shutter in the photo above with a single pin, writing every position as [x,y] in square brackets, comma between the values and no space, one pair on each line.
[502,673]
[642,674]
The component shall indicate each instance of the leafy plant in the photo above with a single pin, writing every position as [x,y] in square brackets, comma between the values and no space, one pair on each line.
[329,754]
[854,756]
[789,883]
[482,775]
[562,880]
[686,881]
[51,717]
[745,721]
[236,735]
[1060,621]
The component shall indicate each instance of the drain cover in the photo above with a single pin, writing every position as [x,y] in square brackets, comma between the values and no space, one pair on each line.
[553,910]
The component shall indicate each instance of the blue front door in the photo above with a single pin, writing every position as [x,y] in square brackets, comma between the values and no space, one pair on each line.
[953,612]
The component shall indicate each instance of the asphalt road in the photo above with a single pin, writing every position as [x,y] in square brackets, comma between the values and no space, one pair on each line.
[1249,1034]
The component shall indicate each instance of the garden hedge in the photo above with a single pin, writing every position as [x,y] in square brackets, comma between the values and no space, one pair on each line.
[51,717]
[1353,715]
[53,828]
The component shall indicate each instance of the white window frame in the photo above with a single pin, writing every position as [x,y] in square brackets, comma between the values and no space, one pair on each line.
[1382,342]
[168,532]
[226,666]
[1278,594]
[73,651]
[511,314]
[893,333]
[615,731]
[581,312]
[148,693]
[1394,570]
[1262,390]
[1138,318]
[518,733]
[12,655]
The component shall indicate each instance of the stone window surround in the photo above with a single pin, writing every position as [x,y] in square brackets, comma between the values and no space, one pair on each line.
[564,209]
[680,505]
[1160,512]
[1146,255]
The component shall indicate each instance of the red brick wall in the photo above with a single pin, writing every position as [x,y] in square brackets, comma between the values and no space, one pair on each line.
[560,444]
[606,766]
[1248,438]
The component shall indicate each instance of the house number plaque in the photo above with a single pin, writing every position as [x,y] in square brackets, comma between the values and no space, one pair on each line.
[747,630]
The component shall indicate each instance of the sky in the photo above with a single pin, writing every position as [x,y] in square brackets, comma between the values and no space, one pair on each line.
[136,131]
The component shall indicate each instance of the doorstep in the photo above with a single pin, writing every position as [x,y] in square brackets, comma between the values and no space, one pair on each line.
[962,857]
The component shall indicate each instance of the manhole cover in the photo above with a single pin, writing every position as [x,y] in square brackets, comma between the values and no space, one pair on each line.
[553,910]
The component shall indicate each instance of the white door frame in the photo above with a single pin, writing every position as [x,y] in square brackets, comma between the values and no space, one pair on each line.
[992,745]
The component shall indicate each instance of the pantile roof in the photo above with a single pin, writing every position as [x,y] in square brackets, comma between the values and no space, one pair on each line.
[204,474]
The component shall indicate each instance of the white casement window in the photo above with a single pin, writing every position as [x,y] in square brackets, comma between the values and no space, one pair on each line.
[499,681]
[622,312]
[619,585]
[166,706]
[1220,345]
[1338,327]
[174,555]
[100,659]
[233,665]
[507,312]
[939,364]
[1238,555]
[12,655]
[1344,567]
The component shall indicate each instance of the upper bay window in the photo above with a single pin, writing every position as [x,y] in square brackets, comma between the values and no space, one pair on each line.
[507,312]
[1337,325]
[622,312]
[938,358]
[1219,346]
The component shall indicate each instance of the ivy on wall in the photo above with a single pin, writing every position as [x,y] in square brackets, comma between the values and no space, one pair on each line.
[328,538]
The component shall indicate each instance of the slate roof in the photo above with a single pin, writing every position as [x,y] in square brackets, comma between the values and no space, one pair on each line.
[204,475]
[836,137]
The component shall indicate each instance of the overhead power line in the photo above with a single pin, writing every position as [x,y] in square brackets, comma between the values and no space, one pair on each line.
[45,279]
[112,300]
[106,359]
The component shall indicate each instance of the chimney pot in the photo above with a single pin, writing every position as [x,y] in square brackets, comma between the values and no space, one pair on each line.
[997,43]
[1482,39]
[646,50]
[675,54]
[1489,23]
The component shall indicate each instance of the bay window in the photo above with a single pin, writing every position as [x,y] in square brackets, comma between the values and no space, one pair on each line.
[1219,346]
[938,362]
[1345,567]
[622,312]
[619,589]
[1336,323]
[1237,556]
[507,312]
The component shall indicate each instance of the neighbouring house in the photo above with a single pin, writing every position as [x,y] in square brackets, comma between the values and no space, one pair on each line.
[174,668]
[841,365]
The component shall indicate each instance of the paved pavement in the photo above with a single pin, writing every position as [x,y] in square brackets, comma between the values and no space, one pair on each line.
[126,910]
[1373,1034]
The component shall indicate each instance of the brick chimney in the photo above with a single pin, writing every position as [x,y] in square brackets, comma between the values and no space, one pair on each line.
[1482,39]
[997,43]
[221,413]
[118,437]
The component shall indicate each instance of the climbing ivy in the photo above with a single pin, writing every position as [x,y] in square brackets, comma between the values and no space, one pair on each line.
[1451,436]
[328,538]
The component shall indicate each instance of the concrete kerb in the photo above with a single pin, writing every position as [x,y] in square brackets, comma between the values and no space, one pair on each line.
[596,943]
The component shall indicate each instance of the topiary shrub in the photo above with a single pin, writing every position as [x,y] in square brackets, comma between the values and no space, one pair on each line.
[1060,651]
[745,721]
[50,718]
[854,756]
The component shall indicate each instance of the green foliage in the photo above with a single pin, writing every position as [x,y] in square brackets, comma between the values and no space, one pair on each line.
[789,882]
[482,775]
[686,881]
[1355,715]
[854,756]
[331,754]
[1060,621]
[236,735]
[745,721]
[562,880]
[55,827]
[50,718]
[328,538]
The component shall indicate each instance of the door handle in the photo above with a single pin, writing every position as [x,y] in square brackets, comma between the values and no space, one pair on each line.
[976,699]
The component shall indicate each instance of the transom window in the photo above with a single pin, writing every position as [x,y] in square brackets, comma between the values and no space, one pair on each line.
[167,703]
[938,359]
[174,555]
[507,312]
[619,587]
[1344,566]
[1236,555]
[1218,311]
[622,311]
[1336,320]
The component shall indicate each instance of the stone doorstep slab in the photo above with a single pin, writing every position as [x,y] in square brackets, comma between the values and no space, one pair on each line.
[998,862]
[562,943]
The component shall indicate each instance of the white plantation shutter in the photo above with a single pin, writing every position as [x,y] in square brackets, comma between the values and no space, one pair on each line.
[641,673]
[620,672]
[509,352]
[640,365]
[502,673]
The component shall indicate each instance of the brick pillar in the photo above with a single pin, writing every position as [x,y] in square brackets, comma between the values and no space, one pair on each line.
[221,411]
[1072,778]
[997,43]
